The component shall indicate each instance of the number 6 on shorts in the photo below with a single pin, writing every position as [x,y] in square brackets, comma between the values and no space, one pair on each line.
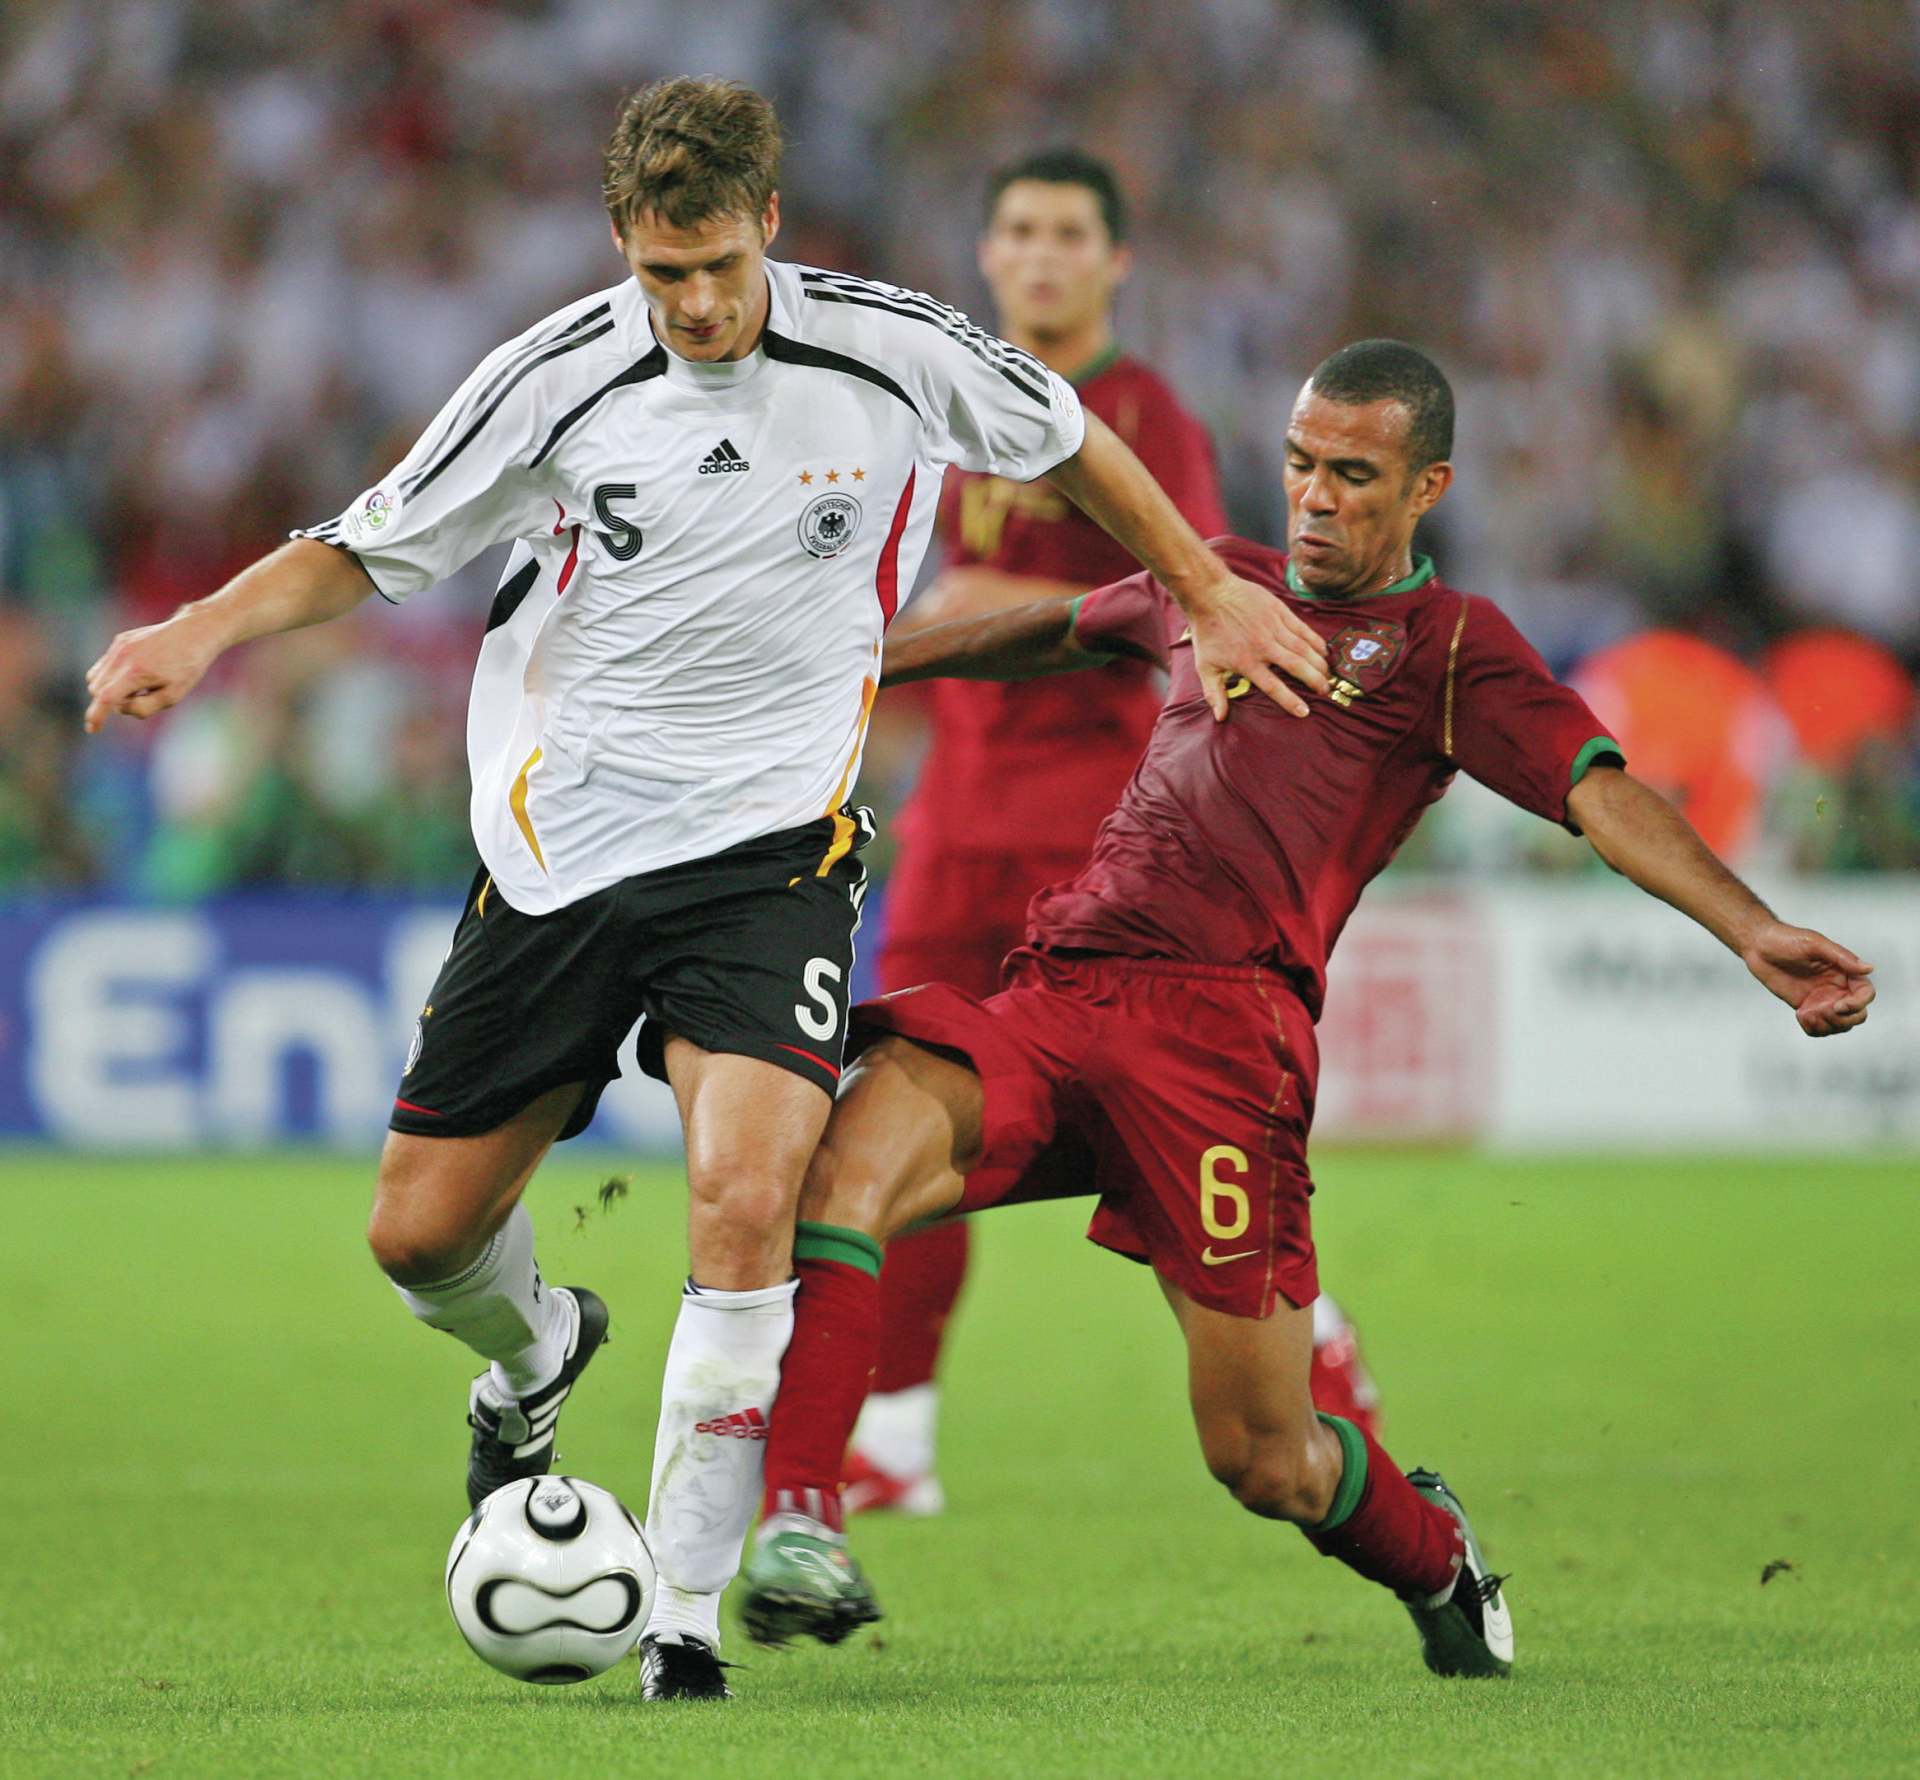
[1215,1192]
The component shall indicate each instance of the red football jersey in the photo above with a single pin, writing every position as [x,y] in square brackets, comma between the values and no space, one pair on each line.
[1036,765]
[1249,841]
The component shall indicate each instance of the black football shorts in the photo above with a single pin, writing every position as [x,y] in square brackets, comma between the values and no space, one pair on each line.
[748,951]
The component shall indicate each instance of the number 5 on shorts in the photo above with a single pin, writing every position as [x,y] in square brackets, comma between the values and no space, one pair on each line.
[826,1021]
[1217,1195]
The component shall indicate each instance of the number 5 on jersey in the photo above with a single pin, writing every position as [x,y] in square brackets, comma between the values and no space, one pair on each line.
[621,536]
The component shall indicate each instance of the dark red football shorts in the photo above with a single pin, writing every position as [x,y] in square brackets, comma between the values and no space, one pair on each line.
[1180,1093]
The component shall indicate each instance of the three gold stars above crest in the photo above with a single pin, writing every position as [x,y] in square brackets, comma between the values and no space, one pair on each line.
[806,476]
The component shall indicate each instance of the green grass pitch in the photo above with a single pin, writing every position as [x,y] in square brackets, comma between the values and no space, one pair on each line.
[234,1465]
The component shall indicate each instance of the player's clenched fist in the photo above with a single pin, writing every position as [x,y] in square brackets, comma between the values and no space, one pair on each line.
[1240,629]
[1826,985]
[146,671]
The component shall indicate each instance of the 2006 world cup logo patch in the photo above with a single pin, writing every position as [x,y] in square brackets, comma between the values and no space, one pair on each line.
[1360,657]
[371,514]
[828,524]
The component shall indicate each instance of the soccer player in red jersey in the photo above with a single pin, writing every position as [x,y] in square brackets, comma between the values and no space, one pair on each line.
[1019,776]
[1155,1042]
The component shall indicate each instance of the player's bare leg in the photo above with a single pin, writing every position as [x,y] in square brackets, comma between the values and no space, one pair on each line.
[904,1131]
[750,1129]
[1249,1381]
[1259,1433]
[440,1200]
[449,1230]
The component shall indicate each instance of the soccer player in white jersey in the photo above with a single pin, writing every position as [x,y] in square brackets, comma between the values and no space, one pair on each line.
[716,476]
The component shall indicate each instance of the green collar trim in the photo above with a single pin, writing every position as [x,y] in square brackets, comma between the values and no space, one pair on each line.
[1101,361]
[1423,572]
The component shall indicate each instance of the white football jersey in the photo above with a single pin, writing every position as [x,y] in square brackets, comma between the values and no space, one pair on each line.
[685,647]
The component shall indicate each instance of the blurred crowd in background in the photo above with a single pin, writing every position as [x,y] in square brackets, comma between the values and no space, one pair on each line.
[1669,251]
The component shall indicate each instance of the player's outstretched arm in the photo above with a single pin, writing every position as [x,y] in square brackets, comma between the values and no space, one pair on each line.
[972,590]
[145,671]
[1643,837]
[1237,628]
[1020,644]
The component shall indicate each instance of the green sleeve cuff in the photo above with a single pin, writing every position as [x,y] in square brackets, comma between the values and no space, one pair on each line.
[1073,630]
[1598,748]
[833,1242]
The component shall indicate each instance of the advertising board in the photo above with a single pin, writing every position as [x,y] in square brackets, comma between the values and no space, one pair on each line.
[1522,1015]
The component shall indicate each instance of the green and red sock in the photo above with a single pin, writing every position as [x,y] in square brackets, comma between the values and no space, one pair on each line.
[1381,1526]
[827,1370]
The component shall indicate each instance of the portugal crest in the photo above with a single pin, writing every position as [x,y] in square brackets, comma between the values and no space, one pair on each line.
[829,523]
[1360,657]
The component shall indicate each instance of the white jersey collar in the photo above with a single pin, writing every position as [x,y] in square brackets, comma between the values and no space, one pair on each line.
[692,374]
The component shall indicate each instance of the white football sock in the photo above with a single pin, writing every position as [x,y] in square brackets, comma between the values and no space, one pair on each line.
[723,1372]
[502,1310]
[679,1614]
[896,1429]
[1329,1321]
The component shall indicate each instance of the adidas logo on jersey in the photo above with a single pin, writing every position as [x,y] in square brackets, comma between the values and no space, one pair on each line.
[751,1426]
[723,460]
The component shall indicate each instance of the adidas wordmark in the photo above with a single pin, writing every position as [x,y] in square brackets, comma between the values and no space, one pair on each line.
[723,460]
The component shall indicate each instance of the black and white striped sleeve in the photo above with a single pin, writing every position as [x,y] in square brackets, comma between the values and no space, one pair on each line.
[469,482]
[986,405]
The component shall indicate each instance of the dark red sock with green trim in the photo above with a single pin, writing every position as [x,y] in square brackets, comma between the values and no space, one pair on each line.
[1382,1526]
[824,1378]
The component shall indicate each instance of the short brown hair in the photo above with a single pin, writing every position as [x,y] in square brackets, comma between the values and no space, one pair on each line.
[692,148]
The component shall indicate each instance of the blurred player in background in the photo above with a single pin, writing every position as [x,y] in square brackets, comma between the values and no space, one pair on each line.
[1018,777]
[1155,1042]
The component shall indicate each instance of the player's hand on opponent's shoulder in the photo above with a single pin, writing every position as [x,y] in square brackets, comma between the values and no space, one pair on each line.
[1824,983]
[149,670]
[1240,629]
